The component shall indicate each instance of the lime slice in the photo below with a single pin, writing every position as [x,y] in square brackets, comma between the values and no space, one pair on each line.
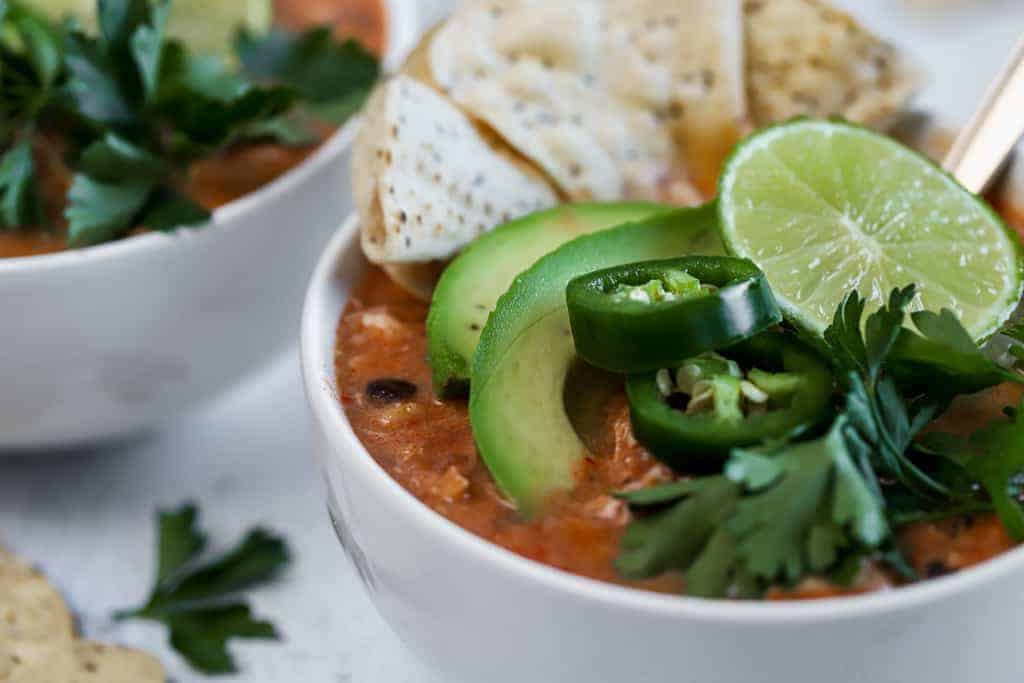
[825,208]
[206,26]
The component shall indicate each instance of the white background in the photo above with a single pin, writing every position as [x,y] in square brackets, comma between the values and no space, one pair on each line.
[87,517]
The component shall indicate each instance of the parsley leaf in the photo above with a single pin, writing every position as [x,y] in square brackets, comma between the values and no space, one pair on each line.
[135,108]
[805,504]
[689,536]
[99,212]
[776,516]
[334,78]
[93,85]
[179,541]
[201,635]
[994,456]
[147,45]
[943,360]
[169,210]
[19,202]
[114,158]
[884,423]
[30,68]
[199,603]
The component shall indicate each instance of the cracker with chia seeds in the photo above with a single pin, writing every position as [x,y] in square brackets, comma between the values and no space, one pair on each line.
[626,102]
[426,182]
[98,663]
[808,58]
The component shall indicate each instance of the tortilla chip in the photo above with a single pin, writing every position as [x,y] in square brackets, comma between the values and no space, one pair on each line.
[30,608]
[96,663]
[806,58]
[426,182]
[36,626]
[419,279]
[611,108]
[35,661]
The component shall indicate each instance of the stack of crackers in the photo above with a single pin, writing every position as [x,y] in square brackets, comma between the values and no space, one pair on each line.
[510,106]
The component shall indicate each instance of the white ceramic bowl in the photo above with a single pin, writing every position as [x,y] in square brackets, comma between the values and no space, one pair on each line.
[105,341]
[476,613]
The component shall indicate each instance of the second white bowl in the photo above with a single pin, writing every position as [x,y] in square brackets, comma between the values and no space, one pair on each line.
[105,341]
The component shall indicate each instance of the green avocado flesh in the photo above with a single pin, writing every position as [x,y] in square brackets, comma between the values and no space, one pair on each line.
[471,285]
[526,351]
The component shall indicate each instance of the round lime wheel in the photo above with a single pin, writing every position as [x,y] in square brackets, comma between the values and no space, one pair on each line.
[824,208]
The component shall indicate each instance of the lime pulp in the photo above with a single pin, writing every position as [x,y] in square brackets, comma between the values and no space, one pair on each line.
[824,208]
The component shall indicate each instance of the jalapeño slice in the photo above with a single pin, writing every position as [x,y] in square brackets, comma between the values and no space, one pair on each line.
[655,314]
[767,387]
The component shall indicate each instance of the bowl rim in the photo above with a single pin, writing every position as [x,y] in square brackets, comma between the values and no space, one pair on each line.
[317,353]
[402,28]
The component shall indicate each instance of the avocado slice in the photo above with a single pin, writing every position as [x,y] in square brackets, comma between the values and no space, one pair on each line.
[526,351]
[470,286]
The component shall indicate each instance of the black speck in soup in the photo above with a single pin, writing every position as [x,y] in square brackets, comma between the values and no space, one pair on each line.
[390,390]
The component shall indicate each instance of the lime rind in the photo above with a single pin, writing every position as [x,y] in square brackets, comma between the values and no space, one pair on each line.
[824,207]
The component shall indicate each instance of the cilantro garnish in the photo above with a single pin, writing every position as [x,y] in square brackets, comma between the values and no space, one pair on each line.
[199,603]
[19,202]
[994,456]
[777,515]
[819,507]
[334,79]
[136,108]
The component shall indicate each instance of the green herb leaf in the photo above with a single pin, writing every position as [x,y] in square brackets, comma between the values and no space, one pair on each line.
[777,516]
[199,603]
[99,212]
[148,48]
[336,78]
[679,537]
[179,543]
[878,413]
[210,106]
[31,63]
[19,202]
[805,502]
[93,83]
[135,108]
[170,211]
[42,44]
[114,159]
[258,560]
[943,360]
[201,635]
[995,457]
[119,21]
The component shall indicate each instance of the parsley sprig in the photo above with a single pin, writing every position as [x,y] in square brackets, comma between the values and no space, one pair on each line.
[822,506]
[199,603]
[136,108]
[775,516]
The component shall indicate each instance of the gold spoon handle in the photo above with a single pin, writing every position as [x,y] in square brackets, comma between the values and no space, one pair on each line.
[990,136]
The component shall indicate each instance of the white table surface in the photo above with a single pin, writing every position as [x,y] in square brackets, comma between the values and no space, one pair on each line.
[87,518]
